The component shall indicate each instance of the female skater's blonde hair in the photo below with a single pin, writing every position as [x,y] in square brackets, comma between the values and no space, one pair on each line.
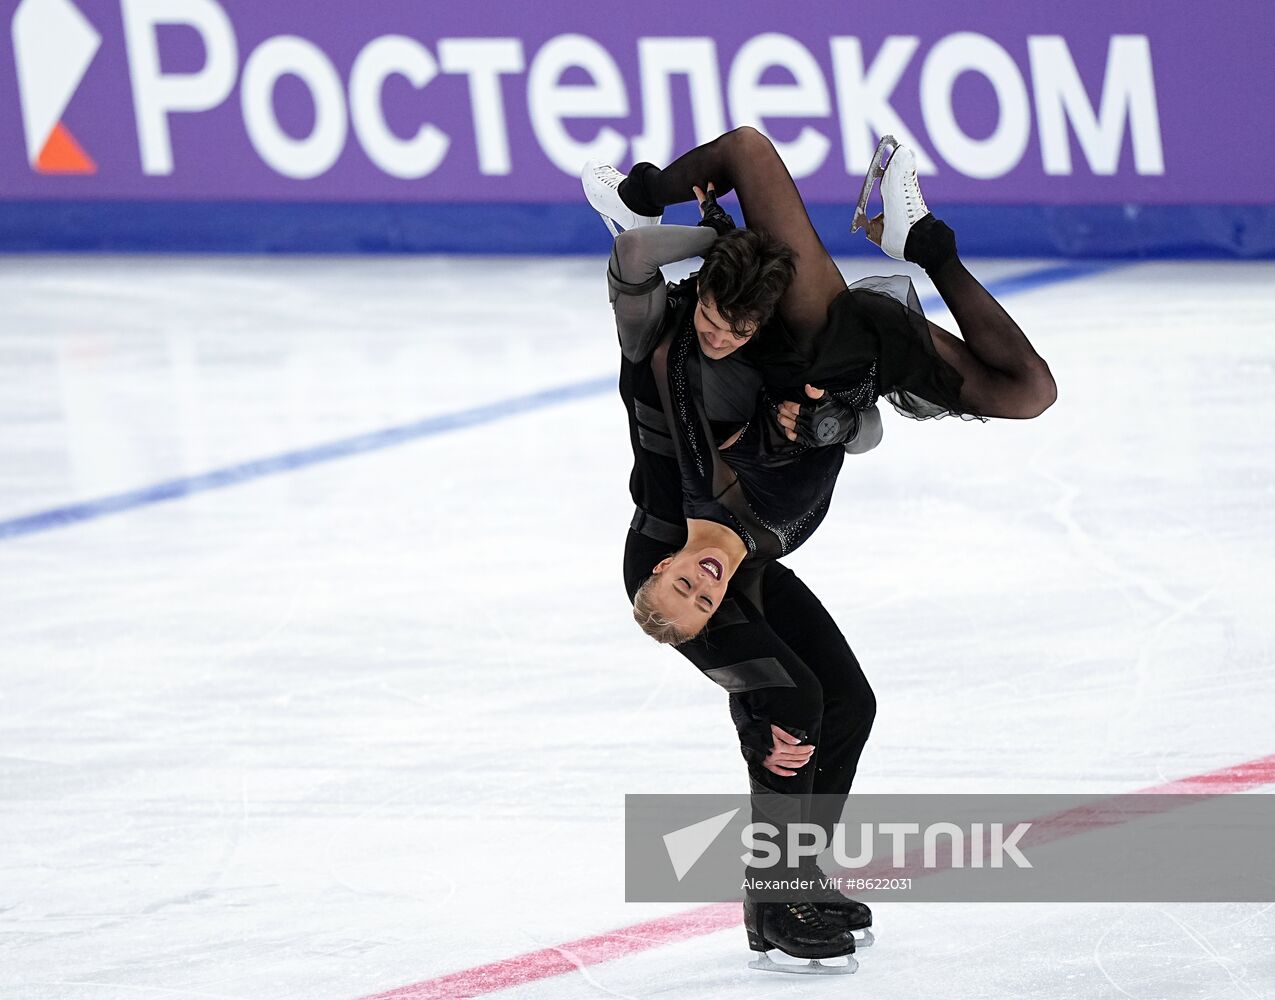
[654,622]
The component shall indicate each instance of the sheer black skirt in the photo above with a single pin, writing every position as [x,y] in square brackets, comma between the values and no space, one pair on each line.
[877,330]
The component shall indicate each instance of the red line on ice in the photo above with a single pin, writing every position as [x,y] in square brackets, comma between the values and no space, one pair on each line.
[568,957]
[571,955]
[1251,774]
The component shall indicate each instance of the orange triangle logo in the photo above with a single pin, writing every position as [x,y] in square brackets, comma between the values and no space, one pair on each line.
[63,155]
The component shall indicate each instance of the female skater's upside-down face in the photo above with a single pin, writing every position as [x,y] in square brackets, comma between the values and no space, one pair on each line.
[717,338]
[689,586]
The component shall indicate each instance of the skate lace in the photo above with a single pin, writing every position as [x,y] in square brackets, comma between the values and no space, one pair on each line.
[608,176]
[808,915]
[915,204]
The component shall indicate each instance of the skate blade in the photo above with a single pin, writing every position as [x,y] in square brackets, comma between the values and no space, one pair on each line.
[814,967]
[886,146]
[863,939]
[615,230]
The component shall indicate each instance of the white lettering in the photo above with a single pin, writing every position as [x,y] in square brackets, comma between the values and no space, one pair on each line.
[976,845]
[316,153]
[956,842]
[484,60]
[899,832]
[659,59]
[385,57]
[549,102]
[761,853]
[815,841]
[156,94]
[751,101]
[863,100]
[1000,152]
[1002,845]
[840,853]
[1128,98]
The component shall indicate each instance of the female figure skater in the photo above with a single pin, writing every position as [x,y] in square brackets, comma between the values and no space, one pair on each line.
[854,340]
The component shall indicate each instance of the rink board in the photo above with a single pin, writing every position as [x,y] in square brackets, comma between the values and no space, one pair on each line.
[1074,231]
[228,125]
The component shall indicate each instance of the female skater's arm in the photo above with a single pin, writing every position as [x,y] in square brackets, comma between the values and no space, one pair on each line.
[636,285]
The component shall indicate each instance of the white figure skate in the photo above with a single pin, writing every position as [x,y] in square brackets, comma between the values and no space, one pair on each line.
[902,203]
[885,147]
[602,188]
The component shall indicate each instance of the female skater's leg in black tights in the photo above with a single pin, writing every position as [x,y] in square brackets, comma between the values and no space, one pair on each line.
[1003,375]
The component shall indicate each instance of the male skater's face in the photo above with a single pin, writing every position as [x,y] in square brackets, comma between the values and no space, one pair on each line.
[716,336]
[690,585]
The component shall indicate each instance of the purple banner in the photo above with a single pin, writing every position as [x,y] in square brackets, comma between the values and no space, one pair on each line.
[408,101]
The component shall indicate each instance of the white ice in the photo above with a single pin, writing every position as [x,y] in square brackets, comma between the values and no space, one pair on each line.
[353,727]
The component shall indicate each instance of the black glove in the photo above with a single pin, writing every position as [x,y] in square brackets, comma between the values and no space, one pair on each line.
[826,421]
[716,217]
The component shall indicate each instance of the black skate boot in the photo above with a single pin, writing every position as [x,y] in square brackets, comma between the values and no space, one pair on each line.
[843,913]
[799,930]
[850,915]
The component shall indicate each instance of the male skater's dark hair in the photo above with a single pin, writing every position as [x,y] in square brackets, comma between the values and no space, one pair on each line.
[746,273]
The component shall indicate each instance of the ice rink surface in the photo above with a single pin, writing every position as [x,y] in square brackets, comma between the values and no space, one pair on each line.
[350,725]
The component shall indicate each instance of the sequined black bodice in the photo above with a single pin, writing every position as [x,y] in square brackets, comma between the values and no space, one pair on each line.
[773,494]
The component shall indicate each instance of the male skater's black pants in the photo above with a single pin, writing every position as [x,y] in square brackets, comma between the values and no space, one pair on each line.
[783,659]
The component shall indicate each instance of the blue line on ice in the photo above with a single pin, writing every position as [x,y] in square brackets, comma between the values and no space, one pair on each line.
[289,461]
